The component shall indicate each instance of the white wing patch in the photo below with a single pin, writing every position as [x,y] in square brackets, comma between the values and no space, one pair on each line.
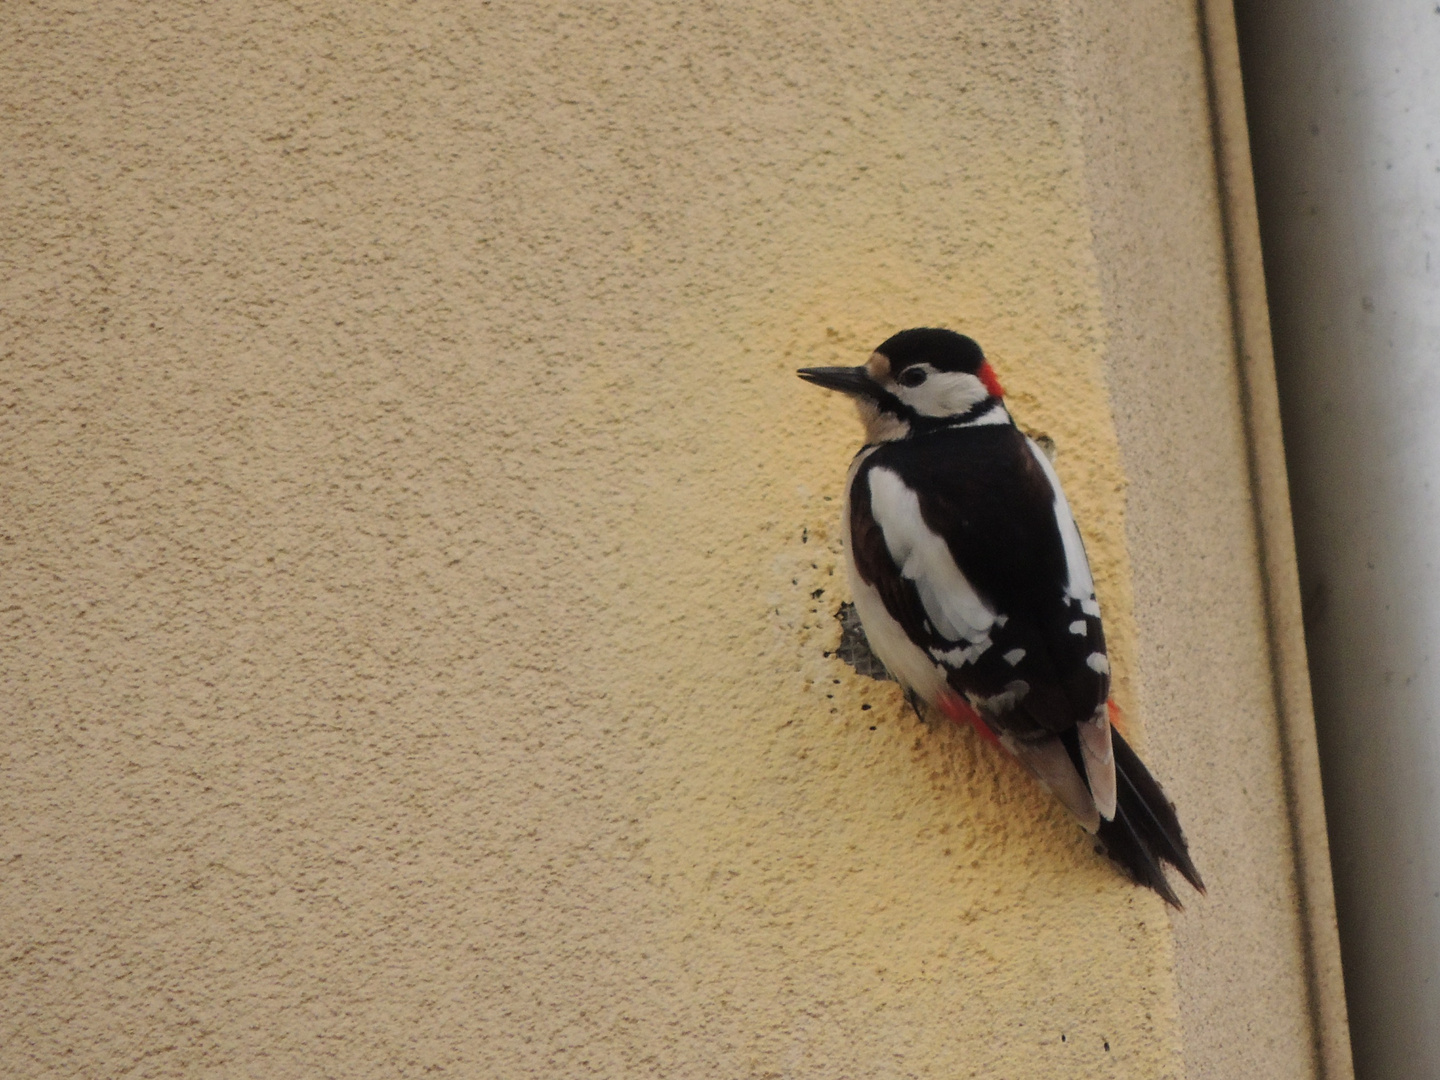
[952,603]
[963,654]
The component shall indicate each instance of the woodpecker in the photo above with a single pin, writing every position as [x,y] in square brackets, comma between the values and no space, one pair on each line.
[970,578]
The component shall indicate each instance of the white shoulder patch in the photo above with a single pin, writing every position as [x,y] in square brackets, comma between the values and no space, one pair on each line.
[1081,586]
[954,607]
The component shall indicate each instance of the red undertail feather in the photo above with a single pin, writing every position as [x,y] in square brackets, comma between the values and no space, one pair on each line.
[959,710]
[1117,717]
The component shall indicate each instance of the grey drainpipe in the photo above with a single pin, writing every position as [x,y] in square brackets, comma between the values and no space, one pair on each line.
[1344,109]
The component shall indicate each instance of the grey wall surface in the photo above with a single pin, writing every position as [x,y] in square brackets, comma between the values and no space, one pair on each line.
[1344,106]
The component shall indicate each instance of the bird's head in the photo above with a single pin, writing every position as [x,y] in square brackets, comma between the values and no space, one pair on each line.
[915,379]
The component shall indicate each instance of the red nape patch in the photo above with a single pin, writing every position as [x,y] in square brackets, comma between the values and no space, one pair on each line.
[959,710]
[1117,718]
[987,376]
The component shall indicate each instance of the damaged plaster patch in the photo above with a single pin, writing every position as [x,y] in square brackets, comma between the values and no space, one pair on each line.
[854,647]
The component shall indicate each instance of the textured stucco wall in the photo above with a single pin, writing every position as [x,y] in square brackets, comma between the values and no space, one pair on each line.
[1208,523]
[414,537]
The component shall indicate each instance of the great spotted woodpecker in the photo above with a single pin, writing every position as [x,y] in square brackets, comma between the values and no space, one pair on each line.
[972,584]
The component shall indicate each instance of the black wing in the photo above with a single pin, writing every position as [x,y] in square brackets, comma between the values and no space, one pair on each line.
[986,494]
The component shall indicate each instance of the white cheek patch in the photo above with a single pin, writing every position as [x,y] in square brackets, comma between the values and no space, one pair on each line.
[943,393]
[952,603]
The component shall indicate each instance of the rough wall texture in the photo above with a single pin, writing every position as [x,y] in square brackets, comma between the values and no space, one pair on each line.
[420,559]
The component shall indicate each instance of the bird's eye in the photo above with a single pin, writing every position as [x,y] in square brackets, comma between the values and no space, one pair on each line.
[912,376]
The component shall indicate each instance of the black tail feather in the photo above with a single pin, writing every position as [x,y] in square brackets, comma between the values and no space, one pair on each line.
[1145,830]
[1125,845]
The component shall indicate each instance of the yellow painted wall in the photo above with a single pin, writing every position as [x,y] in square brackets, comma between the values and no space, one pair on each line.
[415,536]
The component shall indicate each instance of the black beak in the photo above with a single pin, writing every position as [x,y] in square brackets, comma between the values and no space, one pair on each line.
[855,381]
